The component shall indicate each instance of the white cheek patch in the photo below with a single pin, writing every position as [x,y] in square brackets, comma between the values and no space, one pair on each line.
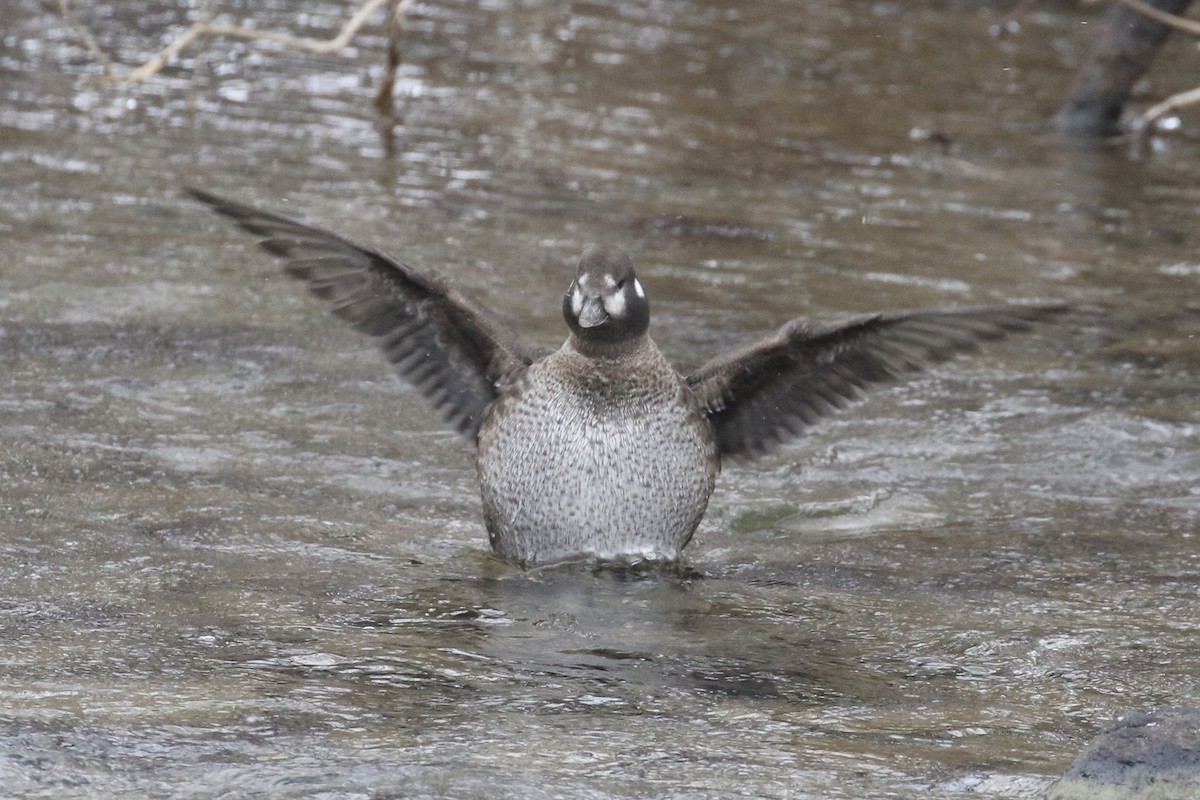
[576,301]
[637,287]
[614,304]
[610,282]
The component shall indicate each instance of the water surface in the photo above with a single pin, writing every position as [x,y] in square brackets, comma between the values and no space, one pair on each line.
[239,559]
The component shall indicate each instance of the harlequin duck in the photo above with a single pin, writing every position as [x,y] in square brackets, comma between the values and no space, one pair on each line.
[601,449]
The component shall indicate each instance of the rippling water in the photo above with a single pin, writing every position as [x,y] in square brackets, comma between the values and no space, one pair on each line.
[240,560]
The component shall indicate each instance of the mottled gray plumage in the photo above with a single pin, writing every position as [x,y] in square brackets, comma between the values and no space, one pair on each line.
[604,455]
[601,449]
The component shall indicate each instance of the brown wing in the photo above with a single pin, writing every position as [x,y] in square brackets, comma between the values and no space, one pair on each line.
[448,346]
[772,390]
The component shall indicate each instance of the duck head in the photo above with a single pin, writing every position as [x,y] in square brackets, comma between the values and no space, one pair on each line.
[605,303]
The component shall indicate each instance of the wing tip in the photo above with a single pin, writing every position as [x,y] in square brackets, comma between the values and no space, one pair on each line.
[213,201]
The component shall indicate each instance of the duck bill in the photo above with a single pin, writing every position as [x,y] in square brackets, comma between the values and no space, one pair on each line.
[592,313]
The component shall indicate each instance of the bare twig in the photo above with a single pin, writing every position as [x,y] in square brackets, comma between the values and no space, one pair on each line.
[206,27]
[1150,117]
[318,46]
[63,7]
[170,51]
[1170,20]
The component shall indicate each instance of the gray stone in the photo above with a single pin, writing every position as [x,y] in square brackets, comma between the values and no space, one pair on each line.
[1147,755]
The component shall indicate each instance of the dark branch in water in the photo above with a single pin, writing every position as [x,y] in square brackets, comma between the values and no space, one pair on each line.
[397,10]
[1121,54]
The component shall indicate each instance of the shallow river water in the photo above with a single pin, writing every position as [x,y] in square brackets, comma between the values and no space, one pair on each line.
[239,559]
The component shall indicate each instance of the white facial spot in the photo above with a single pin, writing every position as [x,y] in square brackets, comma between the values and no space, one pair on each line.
[576,301]
[637,287]
[614,304]
[610,282]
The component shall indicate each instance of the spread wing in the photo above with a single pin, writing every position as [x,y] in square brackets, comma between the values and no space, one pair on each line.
[772,390]
[448,346]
